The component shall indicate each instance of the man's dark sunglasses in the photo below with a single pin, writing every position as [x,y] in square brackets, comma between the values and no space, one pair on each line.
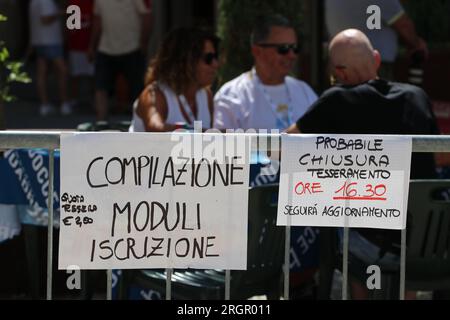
[282,48]
[209,57]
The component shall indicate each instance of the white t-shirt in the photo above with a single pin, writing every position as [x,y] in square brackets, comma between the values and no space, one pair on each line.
[121,25]
[44,34]
[244,103]
[174,114]
[279,96]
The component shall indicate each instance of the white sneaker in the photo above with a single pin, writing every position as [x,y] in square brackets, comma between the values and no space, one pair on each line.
[46,109]
[66,109]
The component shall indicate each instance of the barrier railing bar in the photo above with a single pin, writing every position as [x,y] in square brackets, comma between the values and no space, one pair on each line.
[51,165]
[287,264]
[227,284]
[420,143]
[29,139]
[345,264]
[109,284]
[287,246]
[403,265]
[169,284]
[345,245]
[51,140]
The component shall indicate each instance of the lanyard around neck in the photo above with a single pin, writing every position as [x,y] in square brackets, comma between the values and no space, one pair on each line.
[184,105]
[278,109]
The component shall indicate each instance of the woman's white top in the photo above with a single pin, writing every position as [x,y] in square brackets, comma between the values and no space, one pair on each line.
[174,107]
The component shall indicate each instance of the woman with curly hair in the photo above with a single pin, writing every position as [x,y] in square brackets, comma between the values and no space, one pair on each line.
[177,84]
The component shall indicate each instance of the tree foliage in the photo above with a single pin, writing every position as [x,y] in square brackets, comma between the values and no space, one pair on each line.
[10,71]
[236,19]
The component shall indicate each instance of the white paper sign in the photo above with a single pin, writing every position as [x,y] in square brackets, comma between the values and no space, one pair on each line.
[140,200]
[344,180]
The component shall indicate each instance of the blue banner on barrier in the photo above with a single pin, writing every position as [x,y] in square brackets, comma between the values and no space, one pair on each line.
[24,179]
[304,253]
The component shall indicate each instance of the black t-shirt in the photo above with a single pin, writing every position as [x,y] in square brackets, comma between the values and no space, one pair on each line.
[375,107]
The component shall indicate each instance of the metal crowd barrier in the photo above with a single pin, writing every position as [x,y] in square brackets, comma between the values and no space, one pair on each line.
[51,140]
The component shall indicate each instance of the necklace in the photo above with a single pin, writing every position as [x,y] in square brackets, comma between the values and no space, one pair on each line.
[282,111]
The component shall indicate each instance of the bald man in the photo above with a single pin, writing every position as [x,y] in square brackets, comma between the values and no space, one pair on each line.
[363,103]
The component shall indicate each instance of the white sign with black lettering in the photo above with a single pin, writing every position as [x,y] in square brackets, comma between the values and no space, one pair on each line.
[167,200]
[344,180]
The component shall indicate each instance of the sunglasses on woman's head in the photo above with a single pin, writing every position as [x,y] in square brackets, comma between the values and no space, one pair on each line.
[282,48]
[209,57]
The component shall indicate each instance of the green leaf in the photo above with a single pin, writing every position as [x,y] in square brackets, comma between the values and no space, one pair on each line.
[16,75]
[4,54]
[5,96]
[23,78]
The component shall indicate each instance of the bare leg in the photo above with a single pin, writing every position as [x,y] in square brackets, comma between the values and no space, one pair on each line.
[91,86]
[101,104]
[61,71]
[41,80]
[410,295]
[75,87]
[358,291]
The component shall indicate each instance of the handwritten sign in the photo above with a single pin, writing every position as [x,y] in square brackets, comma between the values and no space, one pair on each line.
[344,180]
[153,201]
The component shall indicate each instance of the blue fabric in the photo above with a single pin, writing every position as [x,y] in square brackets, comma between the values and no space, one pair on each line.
[50,52]
[304,240]
[134,292]
[24,181]
[368,252]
